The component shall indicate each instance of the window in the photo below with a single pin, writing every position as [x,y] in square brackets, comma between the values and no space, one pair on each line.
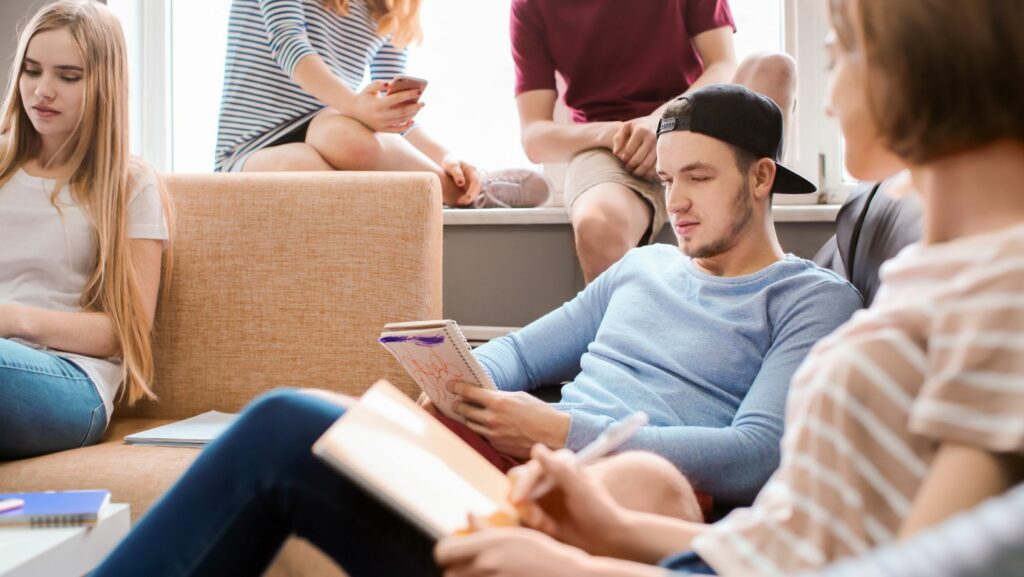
[470,107]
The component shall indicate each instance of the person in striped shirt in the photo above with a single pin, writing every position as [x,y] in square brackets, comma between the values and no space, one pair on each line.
[292,99]
[912,411]
[987,541]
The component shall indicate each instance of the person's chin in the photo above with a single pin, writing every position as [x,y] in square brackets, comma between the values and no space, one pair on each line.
[686,246]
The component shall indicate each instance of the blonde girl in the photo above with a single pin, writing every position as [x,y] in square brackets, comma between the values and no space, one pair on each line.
[83,228]
[292,99]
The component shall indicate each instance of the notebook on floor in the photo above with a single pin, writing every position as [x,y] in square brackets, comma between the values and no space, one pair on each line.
[399,453]
[435,354]
[55,508]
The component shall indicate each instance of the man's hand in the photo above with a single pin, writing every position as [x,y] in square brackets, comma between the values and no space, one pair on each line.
[508,552]
[511,422]
[635,145]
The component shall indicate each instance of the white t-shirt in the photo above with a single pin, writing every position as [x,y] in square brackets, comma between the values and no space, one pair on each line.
[47,255]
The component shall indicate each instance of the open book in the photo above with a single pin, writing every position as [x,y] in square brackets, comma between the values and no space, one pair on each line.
[402,455]
[435,353]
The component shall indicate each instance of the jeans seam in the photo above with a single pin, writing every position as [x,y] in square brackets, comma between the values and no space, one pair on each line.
[92,423]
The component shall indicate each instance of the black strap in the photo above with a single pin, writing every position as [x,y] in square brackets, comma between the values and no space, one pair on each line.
[855,237]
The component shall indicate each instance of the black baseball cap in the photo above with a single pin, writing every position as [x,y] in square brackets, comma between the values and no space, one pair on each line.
[743,118]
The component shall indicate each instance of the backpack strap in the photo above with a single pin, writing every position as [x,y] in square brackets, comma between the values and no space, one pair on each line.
[855,236]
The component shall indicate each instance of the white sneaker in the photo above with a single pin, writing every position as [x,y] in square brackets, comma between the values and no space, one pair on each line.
[512,188]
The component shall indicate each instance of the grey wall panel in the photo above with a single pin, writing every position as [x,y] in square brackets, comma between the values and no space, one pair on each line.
[509,275]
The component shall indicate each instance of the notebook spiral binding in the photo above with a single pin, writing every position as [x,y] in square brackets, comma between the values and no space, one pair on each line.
[481,379]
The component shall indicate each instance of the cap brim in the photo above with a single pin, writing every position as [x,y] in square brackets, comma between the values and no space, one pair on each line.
[789,182]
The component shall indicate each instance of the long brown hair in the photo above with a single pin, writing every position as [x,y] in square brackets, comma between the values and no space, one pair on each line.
[103,174]
[944,75]
[399,18]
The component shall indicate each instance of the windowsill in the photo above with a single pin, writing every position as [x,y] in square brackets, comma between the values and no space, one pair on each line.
[557,215]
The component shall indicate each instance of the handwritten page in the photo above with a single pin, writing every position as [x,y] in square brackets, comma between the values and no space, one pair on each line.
[435,354]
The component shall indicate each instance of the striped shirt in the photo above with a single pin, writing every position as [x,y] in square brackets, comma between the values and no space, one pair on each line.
[936,358]
[266,40]
[987,541]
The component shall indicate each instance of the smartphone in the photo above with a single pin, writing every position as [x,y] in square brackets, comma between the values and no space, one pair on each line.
[402,82]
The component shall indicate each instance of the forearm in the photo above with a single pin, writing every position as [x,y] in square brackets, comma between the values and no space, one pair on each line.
[731,464]
[426,144]
[949,490]
[649,538]
[312,75]
[550,141]
[84,333]
[717,73]
[608,567]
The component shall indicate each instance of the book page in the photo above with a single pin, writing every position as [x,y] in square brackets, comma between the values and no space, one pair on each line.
[399,452]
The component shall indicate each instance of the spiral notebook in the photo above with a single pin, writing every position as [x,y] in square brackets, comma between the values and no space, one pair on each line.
[435,353]
[55,508]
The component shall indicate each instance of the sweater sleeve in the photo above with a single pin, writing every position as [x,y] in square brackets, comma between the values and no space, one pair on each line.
[285,24]
[732,463]
[548,350]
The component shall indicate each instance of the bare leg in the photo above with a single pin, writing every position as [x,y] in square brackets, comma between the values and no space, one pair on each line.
[348,145]
[294,157]
[774,75]
[646,482]
[607,220]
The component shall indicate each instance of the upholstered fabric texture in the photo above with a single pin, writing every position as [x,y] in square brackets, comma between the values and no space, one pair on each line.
[277,280]
[283,281]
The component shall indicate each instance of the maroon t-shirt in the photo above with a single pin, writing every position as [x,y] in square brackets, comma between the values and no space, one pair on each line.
[621,59]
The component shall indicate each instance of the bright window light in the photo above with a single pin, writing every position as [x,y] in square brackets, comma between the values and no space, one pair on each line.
[466,56]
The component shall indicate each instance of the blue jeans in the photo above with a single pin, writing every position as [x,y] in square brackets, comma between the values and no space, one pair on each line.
[47,404]
[687,563]
[252,488]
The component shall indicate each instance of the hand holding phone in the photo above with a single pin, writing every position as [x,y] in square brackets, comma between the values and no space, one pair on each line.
[402,83]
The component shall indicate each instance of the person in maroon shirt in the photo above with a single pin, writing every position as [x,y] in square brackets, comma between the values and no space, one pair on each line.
[622,62]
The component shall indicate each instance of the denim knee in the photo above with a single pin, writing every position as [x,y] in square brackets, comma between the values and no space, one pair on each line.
[287,419]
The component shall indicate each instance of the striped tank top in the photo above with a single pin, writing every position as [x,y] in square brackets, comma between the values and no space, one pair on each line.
[266,39]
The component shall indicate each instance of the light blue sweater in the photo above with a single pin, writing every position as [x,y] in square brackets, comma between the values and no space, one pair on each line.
[708,358]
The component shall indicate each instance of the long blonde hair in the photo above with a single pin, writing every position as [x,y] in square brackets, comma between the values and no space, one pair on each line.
[399,18]
[103,174]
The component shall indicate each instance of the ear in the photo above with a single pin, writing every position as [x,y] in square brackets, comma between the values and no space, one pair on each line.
[763,175]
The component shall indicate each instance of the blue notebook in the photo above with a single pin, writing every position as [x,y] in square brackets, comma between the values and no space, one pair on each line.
[55,508]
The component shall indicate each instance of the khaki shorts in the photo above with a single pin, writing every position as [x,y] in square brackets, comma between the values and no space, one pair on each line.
[599,166]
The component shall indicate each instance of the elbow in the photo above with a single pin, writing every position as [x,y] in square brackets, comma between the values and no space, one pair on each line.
[534,145]
[757,477]
[750,475]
